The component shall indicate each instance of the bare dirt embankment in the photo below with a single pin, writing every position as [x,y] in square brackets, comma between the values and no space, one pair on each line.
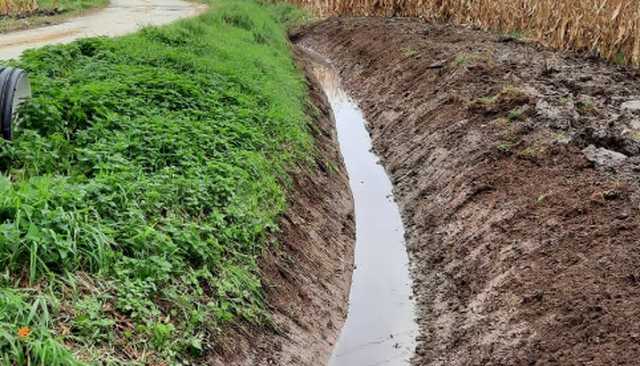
[307,275]
[516,169]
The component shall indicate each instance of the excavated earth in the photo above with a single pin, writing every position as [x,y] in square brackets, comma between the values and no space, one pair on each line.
[517,172]
[307,272]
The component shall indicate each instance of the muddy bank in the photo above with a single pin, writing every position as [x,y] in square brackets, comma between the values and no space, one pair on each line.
[307,274]
[516,169]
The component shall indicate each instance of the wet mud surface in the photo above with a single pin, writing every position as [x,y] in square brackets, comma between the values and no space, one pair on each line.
[307,274]
[516,170]
[120,17]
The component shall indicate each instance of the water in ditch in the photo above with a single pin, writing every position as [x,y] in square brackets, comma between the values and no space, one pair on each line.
[380,329]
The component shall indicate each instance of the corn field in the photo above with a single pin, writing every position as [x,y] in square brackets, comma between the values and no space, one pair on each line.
[17,7]
[610,28]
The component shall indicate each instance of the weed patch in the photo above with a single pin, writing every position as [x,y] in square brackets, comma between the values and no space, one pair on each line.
[510,98]
[143,182]
[585,106]
[409,52]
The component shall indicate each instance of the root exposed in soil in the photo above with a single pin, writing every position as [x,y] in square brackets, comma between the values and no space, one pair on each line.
[516,169]
[307,275]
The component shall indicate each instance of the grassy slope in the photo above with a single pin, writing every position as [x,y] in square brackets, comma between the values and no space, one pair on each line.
[48,12]
[142,185]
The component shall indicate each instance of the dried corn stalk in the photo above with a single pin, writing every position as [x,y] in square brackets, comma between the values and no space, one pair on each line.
[17,7]
[609,28]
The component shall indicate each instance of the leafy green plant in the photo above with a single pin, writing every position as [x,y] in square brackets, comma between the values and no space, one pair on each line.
[533,152]
[90,322]
[504,147]
[409,51]
[466,59]
[516,35]
[25,338]
[586,106]
[515,114]
[154,165]
[461,59]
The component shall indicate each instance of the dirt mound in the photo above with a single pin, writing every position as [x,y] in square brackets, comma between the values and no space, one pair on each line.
[307,274]
[517,172]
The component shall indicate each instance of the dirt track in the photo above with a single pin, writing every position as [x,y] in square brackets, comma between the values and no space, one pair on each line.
[517,172]
[120,17]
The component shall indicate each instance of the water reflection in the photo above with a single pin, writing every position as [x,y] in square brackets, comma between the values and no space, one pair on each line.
[380,328]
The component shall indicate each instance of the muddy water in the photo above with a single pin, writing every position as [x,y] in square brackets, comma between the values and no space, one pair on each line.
[120,17]
[380,328]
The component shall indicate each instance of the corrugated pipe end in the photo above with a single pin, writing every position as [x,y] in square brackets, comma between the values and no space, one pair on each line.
[15,89]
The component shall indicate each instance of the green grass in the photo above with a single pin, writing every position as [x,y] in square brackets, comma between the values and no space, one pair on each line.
[515,114]
[70,5]
[143,184]
[409,52]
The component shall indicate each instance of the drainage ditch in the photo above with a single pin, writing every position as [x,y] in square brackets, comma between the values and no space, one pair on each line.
[380,328]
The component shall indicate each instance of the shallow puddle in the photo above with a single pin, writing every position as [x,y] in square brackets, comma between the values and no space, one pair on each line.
[380,328]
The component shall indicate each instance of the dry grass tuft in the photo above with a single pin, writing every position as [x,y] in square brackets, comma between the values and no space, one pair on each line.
[17,7]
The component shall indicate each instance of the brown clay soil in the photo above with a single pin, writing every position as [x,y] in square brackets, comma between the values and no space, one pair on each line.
[307,273]
[517,171]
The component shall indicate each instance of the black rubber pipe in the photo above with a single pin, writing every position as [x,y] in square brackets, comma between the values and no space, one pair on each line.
[14,90]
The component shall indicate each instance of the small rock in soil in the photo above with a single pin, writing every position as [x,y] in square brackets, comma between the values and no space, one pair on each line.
[603,157]
[632,105]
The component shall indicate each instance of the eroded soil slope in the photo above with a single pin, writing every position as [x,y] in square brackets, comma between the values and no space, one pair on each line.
[517,172]
[308,273]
